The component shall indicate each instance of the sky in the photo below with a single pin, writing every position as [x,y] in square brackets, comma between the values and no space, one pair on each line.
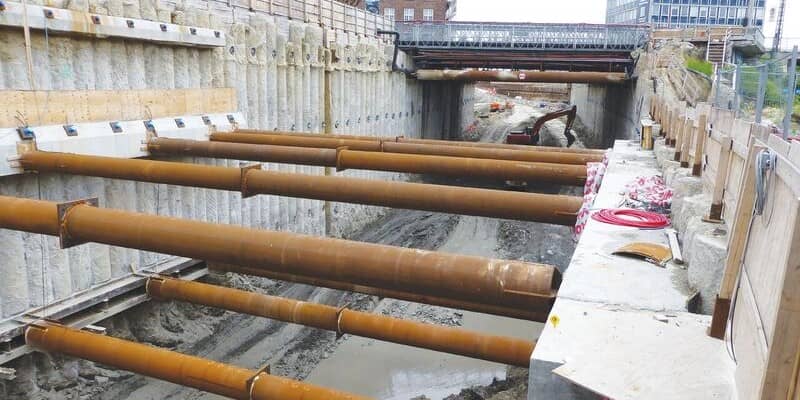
[590,11]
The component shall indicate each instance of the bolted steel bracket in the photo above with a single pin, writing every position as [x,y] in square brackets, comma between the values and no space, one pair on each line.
[63,209]
[243,179]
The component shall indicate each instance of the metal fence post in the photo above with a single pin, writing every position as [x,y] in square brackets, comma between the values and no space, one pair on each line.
[719,84]
[790,91]
[737,90]
[762,91]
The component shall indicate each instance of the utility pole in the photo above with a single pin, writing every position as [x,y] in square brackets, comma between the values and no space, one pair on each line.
[776,41]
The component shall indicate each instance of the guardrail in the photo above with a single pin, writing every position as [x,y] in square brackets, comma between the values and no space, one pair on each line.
[554,37]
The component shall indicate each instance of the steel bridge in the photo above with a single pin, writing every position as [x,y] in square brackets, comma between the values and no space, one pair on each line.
[565,47]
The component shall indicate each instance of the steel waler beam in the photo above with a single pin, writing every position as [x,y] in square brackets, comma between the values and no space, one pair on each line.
[195,372]
[403,139]
[250,181]
[471,75]
[538,314]
[497,282]
[458,341]
[360,154]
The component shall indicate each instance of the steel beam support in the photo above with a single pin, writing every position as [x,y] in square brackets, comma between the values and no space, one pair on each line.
[555,209]
[327,156]
[361,154]
[598,154]
[505,283]
[195,372]
[538,314]
[562,174]
[458,341]
[473,75]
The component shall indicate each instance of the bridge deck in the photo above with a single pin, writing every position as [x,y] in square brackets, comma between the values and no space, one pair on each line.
[576,47]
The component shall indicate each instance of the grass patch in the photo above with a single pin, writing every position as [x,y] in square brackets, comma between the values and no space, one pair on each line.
[701,66]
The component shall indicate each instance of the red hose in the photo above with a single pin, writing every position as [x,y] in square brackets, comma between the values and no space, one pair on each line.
[632,218]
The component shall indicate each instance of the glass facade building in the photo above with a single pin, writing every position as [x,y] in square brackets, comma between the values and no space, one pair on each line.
[686,13]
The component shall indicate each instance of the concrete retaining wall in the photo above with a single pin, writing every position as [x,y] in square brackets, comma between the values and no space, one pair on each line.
[278,68]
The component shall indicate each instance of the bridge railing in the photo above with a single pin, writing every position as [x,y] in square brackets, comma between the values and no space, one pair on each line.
[477,35]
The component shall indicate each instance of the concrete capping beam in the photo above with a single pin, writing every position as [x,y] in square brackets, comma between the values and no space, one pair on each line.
[57,20]
[122,139]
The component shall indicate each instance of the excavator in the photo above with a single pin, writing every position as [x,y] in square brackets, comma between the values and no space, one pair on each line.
[530,135]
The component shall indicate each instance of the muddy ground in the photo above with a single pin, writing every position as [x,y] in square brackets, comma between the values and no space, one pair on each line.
[318,356]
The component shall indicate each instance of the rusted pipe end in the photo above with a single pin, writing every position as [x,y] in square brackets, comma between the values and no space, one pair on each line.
[153,287]
[34,333]
[528,279]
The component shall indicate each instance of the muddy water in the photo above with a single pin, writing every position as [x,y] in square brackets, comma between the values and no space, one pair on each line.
[393,372]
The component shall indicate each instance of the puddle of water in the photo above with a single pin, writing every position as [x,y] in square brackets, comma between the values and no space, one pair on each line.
[391,371]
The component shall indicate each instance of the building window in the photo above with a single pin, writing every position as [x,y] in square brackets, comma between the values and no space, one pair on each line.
[408,14]
[427,14]
[389,13]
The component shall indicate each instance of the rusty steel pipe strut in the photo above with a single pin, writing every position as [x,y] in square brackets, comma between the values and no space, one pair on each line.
[195,372]
[327,157]
[599,153]
[450,149]
[403,139]
[497,282]
[555,209]
[457,341]
[360,154]
[472,75]
[538,314]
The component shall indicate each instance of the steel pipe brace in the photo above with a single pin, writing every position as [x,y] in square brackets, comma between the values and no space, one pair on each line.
[437,142]
[343,321]
[499,282]
[249,180]
[538,312]
[195,372]
[369,155]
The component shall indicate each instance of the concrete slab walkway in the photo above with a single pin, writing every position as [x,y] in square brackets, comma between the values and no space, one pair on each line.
[620,327]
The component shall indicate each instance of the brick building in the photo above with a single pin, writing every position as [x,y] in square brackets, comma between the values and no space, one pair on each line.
[418,10]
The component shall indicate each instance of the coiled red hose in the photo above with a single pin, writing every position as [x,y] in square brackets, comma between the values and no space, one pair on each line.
[632,218]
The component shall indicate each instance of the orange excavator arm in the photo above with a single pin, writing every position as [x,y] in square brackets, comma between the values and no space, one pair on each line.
[531,135]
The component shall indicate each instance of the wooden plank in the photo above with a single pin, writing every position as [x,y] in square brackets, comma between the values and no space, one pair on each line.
[689,131]
[680,130]
[79,106]
[771,264]
[741,139]
[737,240]
[718,190]
[751,348]
[700,145]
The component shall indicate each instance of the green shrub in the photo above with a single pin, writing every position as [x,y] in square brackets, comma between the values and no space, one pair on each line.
[701,66]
